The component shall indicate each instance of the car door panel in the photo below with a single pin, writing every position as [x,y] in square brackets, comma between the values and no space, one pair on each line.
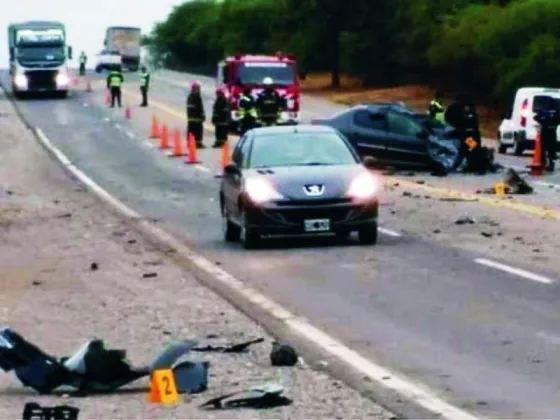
[367,134]
[403,142]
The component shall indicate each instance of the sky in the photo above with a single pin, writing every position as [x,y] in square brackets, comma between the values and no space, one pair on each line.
[85,21]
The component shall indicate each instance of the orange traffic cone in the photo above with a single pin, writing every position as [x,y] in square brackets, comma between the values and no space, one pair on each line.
[155,134]
[177,146]
[192,154]
[536,166]
[164,139]
[88,87]
[127,113]
[225,158]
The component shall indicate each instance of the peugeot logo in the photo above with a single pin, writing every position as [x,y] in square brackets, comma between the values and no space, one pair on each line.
[314,190]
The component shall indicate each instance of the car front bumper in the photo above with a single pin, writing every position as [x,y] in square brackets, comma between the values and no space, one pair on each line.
[290,218]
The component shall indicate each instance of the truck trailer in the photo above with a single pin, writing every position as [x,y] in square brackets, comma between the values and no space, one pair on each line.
[39,57]
[126,41]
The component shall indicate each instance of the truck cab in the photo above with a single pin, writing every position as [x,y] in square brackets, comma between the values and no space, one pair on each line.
[39,58]
[241,71]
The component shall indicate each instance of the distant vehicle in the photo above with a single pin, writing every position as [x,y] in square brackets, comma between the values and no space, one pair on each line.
[107,60]
[39,57]
[519,128]
[297,180]
[395,134]
[242,71]
[127,41]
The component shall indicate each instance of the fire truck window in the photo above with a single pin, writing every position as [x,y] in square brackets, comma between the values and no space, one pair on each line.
[255,73]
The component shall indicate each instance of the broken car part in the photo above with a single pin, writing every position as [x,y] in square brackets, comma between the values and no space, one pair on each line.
[265,396]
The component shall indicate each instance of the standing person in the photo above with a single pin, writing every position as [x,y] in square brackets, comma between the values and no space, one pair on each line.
[269,104]
[221,115]
[83,61]
[548,118]
[144,85]
[115,80]
[195,114]
[436,109]
[247,112]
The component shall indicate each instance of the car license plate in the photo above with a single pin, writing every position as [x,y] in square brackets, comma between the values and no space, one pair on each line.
[317,225]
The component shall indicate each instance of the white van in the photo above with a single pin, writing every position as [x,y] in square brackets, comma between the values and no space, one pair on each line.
[519,128]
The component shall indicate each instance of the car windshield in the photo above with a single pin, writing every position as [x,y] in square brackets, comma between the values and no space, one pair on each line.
[254,73]
[300,149]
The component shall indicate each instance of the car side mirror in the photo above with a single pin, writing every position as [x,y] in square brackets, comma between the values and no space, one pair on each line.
[70,53]
[232,169]
[369,162]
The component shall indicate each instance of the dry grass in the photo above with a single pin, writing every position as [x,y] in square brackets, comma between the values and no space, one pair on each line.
[416,96]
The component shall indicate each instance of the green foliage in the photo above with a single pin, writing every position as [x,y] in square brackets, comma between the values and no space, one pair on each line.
[487,46]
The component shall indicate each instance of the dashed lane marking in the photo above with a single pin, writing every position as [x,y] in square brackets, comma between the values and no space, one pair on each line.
[389,232]
[513,270]
[417,394]
[130,135]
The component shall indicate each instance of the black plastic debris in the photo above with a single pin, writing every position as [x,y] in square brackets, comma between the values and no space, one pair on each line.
[234,348]
[514,184]
[93,368]
[259,397]
[33,411]
[283,354]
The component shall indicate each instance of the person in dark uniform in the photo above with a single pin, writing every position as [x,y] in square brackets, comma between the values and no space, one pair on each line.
[436,109]
[221,117]
[269,104]
[195,114]
[83,61]
[548,117]
[247,112]
[144,85]
[462,115]
[115,80]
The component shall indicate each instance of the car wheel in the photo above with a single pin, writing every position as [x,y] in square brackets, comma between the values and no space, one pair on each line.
[248,237]
[231,231]
[368,234]
[502,149]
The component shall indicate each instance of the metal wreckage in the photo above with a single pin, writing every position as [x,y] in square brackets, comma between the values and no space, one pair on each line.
[97,369]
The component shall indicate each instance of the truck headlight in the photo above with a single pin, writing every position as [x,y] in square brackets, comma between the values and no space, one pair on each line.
[20,80]
[62,79]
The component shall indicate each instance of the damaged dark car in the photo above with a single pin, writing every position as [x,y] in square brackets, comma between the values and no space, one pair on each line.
[396,135]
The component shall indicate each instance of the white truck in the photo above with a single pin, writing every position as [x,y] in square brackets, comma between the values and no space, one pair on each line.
[39,57]
[107,60]
[126,40]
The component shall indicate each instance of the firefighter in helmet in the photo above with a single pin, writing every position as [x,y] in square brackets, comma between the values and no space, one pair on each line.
[195,114]
[221,115]
[269,104]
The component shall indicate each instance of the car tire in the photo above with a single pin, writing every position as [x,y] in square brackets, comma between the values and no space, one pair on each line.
[502,149]
[231,231]
[367,235]
[249,238]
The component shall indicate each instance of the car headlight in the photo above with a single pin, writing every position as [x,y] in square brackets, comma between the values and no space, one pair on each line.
[20,80]
[260,190]
[62,79]
[364,186]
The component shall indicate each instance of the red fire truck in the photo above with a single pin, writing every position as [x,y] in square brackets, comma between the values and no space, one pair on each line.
[242,71]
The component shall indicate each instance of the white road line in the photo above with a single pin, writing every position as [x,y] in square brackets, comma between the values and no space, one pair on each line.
[130,134]
[389,232]
[386,378]
[118,126]
[549,185]
[149,144]
[202,168]
[512,270]
[106,119]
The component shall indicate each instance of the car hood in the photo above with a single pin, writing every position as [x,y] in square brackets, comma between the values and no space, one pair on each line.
[291,181]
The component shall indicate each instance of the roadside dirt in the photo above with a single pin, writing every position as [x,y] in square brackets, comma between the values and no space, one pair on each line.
[136,298]
[416,96]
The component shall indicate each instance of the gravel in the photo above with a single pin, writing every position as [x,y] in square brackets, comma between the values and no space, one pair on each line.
[70,271]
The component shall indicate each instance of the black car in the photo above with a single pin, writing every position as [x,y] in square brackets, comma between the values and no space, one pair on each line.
[297,180]
[395,134]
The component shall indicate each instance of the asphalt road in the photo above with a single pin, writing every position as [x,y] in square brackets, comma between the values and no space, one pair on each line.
[485,340]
